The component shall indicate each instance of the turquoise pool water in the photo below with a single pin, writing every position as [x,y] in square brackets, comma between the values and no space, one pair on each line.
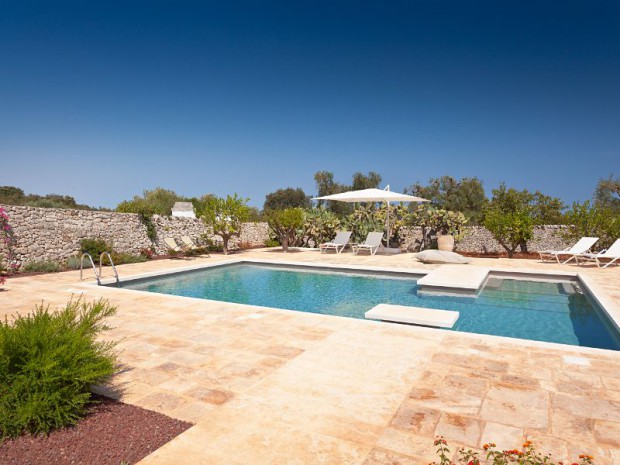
[542,311]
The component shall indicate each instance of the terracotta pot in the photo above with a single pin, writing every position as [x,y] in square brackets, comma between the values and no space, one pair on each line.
[445,242]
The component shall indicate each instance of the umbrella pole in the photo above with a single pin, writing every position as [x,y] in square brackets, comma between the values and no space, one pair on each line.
[388,224]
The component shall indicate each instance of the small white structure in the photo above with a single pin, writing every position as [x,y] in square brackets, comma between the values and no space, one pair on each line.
[184,209]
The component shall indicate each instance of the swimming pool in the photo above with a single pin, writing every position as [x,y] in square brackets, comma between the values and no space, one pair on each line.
[542,311]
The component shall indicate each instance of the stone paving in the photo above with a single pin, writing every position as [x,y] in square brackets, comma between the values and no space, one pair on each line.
[268,386]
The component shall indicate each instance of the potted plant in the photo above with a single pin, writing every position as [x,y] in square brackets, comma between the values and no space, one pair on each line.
[449,227]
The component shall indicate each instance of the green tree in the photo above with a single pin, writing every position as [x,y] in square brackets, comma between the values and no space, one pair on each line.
[224,215]
[325,185]
[287,198]
[545,209]
[366,181]
[10,195]
[607,194]
[158,201]
[508,217]
[285,224]
[466,196]
[593,220]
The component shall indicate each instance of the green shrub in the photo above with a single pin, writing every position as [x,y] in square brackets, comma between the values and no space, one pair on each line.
[121,258]
[48,362]
[46,266]
[210,244]
[95,247]
[73,263]
[272,243]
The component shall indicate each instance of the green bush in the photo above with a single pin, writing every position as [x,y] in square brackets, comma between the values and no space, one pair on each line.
[210,244]
[46,266]
[121,258]
[592,220]
[73,263]
[95,247]
[48,362]
[272,243]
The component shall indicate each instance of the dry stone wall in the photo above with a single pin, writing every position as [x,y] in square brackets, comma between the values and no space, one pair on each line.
[252,234]
[55,234]
[478,239]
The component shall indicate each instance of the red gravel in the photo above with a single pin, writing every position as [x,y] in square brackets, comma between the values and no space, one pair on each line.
[527,256]
[111,433]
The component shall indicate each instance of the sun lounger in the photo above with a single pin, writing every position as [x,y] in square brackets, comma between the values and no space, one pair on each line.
[612,253]
[188,242]
[581,247]
[338,244]
[191,245]
[372,243]
[172,245]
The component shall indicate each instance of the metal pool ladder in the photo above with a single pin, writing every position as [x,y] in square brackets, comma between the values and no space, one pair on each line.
[90,258]
[111,263]
[97,273]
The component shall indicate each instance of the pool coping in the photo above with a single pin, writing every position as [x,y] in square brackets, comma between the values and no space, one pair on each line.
[600,296]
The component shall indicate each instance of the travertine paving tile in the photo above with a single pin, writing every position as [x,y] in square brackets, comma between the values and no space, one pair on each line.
[516,407]
[607,432]
[271,386]
[459,429]
[415,418]
[503,436]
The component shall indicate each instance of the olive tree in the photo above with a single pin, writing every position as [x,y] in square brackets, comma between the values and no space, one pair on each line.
[287,198]
[224,215]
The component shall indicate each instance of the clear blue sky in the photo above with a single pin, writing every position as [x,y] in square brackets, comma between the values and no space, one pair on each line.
[100,100]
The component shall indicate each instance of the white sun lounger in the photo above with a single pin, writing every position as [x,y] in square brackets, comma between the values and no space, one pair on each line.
[188,242]
[612,253]
[172,244]
[338,244]
[192,245]
[372,243]
[581,247]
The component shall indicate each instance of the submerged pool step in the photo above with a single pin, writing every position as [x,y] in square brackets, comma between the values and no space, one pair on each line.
[413,315]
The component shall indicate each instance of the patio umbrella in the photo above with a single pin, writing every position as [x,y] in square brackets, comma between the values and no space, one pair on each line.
[374,195]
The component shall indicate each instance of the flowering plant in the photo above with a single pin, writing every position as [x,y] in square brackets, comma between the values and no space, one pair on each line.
[8,238]
[526,455]
[147,252]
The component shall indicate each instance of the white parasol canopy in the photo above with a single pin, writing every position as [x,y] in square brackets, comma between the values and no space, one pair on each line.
[374,195]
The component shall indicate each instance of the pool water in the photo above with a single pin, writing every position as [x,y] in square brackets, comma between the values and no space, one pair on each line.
[541,311]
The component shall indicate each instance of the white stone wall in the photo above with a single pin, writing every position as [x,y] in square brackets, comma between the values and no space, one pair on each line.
[55,234]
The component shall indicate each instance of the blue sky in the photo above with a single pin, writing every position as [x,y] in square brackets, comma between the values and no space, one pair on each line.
[100,100]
